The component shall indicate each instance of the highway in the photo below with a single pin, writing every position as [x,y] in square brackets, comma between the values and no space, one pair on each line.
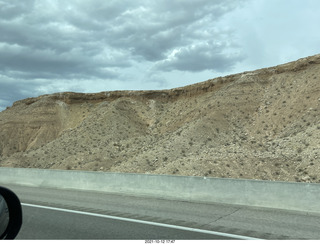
[53,224]
[53,214]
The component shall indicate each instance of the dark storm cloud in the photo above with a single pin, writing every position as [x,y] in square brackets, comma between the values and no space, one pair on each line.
[12,9]
[85,37]
[153,31]
[57,41]
[37,46]
[24,62]
[12,91]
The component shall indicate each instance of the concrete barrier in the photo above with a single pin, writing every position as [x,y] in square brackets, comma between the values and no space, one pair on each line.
[280,195]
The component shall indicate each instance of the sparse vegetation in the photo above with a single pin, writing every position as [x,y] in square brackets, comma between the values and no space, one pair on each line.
[248,127]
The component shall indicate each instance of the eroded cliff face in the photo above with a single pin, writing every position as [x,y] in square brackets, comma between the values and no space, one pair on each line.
[262,124]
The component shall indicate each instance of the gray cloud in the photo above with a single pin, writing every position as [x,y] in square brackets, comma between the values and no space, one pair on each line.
[11,90]
[198,57]
[89,46]
[24,62]
[81,38]
[12,9]
[35,46]
[52,43]
[154,31]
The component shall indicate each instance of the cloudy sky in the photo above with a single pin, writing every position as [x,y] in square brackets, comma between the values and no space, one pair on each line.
[49,46]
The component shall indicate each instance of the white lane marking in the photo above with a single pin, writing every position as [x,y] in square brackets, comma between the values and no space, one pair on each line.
[143,222]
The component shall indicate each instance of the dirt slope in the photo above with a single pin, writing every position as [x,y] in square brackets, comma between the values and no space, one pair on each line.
[263,124]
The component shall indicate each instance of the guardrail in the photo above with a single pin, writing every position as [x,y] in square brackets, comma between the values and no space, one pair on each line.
[271,194]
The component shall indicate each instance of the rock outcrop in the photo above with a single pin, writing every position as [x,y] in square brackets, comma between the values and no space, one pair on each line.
[262,124]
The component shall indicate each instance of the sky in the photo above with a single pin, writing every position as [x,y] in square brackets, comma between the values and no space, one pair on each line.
[49,46]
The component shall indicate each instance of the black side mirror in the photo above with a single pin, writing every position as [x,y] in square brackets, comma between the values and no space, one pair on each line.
[10,214]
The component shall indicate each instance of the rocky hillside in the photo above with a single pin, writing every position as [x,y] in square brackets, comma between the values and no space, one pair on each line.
[263,124]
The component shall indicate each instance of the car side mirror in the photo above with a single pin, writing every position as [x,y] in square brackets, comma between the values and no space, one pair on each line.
[10,214]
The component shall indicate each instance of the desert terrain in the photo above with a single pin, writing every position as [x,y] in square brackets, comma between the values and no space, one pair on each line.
[262,124]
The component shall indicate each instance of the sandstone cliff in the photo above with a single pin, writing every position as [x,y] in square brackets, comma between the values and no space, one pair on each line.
[258,125]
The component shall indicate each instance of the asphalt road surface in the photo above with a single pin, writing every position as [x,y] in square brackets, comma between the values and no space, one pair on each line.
[52,214]
[55,224]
